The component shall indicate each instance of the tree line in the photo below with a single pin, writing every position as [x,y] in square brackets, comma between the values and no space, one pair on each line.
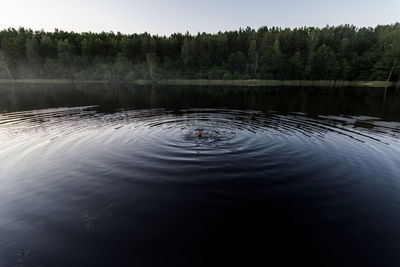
[331,53]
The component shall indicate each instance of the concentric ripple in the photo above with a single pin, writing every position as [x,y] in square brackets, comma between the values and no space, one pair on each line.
[140,176]
[176,134]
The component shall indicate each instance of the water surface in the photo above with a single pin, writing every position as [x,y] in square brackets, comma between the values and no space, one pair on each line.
[95,176]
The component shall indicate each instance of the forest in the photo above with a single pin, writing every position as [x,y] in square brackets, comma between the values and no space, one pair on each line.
[331,53]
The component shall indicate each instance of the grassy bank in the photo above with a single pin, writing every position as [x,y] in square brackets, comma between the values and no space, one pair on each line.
[275,83]
[204,82]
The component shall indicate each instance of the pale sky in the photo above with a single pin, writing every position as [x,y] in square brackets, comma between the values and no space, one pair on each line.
[164,17]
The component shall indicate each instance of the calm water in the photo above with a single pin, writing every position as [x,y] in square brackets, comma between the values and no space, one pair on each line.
[94,176]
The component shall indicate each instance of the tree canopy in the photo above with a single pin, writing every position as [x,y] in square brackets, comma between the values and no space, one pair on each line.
[331,53]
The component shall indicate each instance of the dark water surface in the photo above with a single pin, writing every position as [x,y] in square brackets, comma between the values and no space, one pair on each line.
[95,176]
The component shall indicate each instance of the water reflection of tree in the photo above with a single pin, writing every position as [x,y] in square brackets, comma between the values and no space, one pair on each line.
[313,100]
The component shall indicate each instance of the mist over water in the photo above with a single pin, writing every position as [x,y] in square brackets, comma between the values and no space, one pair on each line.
[119,176]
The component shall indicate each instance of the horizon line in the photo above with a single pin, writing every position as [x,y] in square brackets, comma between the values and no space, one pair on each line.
[198,32]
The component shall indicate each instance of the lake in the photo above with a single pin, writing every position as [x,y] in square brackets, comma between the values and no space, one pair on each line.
[108,175]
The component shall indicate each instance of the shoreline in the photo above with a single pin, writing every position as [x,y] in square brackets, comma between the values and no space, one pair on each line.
[205,82]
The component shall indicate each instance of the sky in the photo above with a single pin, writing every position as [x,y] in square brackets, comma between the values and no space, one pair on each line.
[164,17]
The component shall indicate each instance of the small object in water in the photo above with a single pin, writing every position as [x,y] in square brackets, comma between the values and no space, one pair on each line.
[199,133]
[22,255]
[24,252]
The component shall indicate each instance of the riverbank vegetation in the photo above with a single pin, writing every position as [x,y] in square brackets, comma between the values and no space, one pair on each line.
[345,53]
[207,82]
